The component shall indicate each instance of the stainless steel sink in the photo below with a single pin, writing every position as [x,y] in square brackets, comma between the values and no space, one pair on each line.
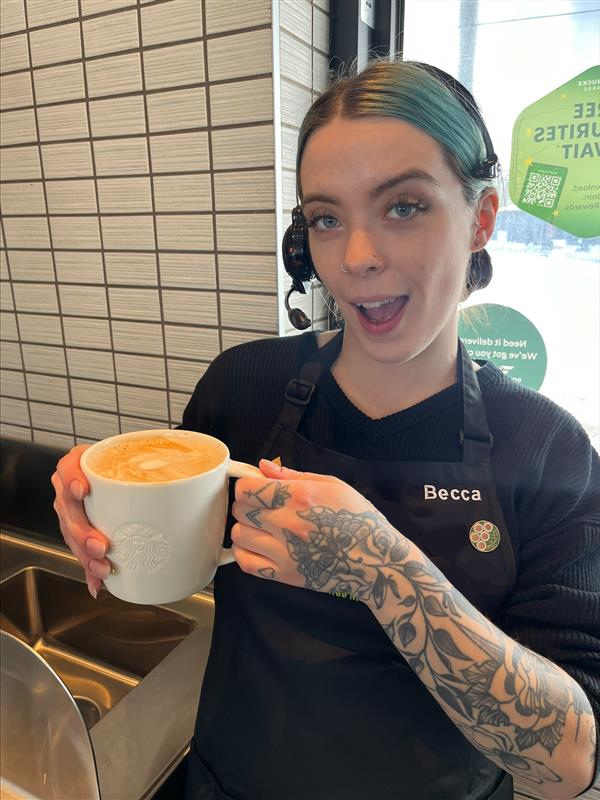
[135,671]
[100,648]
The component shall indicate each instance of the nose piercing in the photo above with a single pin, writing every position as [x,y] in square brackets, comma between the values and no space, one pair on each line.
[374,255]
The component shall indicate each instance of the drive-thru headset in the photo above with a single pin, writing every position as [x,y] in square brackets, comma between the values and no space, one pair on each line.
[295,247]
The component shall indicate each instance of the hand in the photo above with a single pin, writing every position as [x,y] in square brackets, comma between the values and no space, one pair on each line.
[87,544]
[311,530]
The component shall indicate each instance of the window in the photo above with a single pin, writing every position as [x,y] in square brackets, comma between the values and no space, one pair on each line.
[510,53]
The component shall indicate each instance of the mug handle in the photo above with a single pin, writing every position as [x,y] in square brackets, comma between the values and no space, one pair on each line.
[237,469]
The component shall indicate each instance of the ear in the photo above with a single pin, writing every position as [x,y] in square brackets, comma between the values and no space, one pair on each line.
[485,218]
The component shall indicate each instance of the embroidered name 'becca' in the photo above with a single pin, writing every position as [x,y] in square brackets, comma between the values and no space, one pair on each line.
[431,492]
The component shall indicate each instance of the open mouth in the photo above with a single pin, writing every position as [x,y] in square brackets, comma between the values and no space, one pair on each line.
[381,311]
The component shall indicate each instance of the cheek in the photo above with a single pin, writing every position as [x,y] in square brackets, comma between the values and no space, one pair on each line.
[326,255]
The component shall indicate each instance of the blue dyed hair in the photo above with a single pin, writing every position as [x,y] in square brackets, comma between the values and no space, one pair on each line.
[426,98]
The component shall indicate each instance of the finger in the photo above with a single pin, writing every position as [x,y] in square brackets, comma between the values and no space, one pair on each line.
[84,541]
[272,470]
[253,563]
[71,474]
[259,542]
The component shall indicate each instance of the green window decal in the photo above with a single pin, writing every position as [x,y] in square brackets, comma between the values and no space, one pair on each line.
[555,157]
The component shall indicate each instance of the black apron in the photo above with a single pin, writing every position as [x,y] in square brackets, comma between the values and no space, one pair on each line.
[305,697]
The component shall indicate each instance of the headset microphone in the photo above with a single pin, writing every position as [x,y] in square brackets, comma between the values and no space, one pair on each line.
[295,315]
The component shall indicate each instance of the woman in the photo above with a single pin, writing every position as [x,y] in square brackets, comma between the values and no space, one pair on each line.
[414,609]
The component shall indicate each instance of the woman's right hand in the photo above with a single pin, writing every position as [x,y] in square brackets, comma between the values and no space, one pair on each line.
[86,543]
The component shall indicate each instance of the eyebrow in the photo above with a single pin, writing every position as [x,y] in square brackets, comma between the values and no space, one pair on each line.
[395,180]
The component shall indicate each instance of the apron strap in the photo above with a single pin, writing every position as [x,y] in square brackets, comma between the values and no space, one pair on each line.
[300,390]
[474,433]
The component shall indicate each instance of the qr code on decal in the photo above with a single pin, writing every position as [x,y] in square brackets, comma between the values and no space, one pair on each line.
[542,188]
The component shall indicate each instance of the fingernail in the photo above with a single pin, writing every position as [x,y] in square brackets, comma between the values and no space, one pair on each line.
[99,569]
[273,464]
[92,591]
[76,489]
[95,547]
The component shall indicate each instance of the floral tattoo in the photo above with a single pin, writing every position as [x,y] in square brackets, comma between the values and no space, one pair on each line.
[504,698]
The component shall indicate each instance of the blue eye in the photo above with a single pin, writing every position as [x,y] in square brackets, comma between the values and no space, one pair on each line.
[322,222]
[405,210]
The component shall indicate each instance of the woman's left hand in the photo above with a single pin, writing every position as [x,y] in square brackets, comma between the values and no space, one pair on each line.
[311,530]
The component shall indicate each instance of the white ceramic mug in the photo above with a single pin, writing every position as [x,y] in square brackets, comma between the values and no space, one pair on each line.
[166,538]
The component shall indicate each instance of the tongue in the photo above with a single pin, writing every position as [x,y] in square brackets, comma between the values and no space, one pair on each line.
[384,312]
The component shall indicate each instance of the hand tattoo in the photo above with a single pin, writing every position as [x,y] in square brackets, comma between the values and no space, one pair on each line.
[271,495]
[267,572]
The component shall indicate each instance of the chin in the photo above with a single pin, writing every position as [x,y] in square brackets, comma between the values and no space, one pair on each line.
[397,350]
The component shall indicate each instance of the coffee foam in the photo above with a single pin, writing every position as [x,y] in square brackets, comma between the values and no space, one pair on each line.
[155,459]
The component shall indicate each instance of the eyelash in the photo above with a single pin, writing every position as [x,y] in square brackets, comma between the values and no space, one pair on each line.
[417,205]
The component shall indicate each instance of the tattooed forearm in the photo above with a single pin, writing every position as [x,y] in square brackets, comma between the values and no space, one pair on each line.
[520,710]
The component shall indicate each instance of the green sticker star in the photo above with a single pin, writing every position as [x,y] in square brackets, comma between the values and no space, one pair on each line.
[555,157]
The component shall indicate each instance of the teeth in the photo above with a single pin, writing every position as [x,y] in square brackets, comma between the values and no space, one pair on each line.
[378,304]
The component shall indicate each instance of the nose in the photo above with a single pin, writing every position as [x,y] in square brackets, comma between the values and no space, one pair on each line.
[360,255]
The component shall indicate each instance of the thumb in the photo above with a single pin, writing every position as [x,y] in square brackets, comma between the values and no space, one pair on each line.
[272,470]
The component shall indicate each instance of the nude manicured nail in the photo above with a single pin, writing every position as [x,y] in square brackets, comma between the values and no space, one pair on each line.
[273,464]
[95,547]
[76,489]
[99,569]
[92,590]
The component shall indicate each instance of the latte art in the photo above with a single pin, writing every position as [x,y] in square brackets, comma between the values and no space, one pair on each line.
[156,459]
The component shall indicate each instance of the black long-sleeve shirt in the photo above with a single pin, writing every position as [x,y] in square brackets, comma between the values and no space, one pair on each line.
[546,471]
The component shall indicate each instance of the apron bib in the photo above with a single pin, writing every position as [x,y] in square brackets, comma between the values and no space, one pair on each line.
[313,678]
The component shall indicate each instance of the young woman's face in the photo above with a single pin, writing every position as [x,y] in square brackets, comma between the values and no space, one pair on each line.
[380,199]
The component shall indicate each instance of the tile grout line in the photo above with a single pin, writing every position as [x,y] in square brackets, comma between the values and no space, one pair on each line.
[179,87]
[88,214]
[231,126]
[128,175]
[207,100]
[50,241]
[98,216]
[154,220]
[19,342]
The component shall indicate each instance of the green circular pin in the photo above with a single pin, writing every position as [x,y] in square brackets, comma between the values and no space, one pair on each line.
[484,536]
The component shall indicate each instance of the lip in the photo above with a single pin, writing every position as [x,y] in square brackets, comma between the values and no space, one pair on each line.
[380,329]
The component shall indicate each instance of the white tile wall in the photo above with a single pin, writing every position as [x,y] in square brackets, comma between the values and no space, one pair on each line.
[138,192]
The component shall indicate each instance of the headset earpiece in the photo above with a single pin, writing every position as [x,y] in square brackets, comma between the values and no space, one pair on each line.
[298,265]
[296,251]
